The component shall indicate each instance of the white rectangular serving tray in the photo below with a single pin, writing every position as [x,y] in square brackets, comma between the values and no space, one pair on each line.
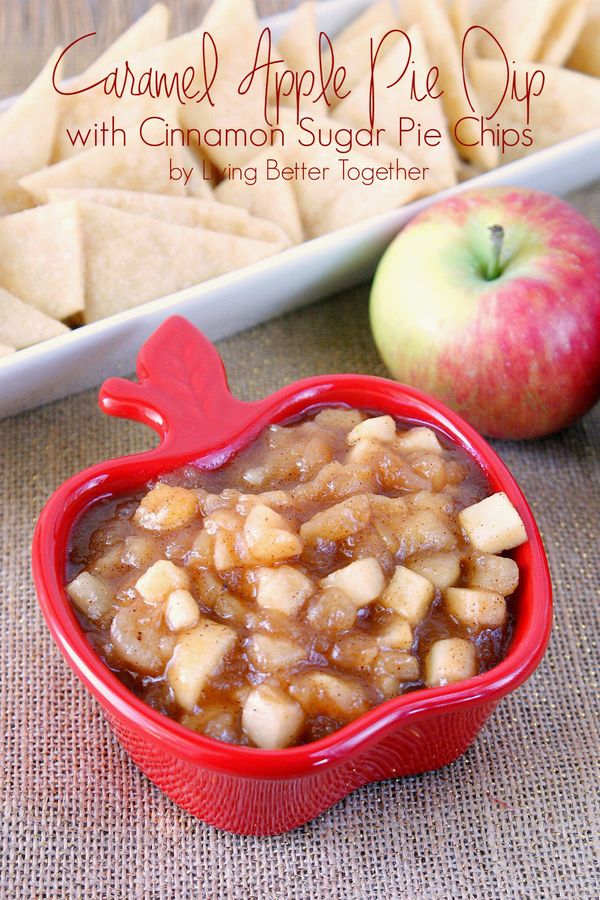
[233,302]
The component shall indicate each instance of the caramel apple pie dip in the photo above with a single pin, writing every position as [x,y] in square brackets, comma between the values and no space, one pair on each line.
[337,562]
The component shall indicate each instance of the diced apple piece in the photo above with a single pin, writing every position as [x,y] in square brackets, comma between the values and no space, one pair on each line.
[159,580]
[197,656]
[355,651]
[363,580]
[432,467]
[202,552]
[228,606]
[214,721]
[392,510]
[441,569]
[379,541]
[394,472]
[138,639]
[330,695]
[409,594]
[275,546]
[420,438]
[441,504]
[396,634]
[181,610]
[394,668]
[476,608]
[450,660]
[165,507]
[269,536]
[207,585]
[397,664]
[284,588]
[90,595]
[316,452]
[334,482]
[110,563]
[365,451]
[494,573]
[225,556]
[268,653]
[493,524]
[268,498]
[441,473]
[270,717]
[261,517]
[332,611]
[426,531]
[226,519]
[379,428]
[344,419]
[387,516]
[339,521]
[209,503]
[140,551]
[179,546]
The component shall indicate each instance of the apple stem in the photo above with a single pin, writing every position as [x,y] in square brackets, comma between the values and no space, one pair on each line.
[497,240]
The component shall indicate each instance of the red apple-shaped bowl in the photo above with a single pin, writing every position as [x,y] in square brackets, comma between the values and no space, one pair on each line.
[182,394]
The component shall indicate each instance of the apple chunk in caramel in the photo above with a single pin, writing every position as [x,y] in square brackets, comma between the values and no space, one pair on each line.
[339,561]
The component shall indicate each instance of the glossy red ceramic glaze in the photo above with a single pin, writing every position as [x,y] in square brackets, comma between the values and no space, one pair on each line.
[182,393]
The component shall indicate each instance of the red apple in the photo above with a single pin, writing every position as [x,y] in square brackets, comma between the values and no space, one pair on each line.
[490,300]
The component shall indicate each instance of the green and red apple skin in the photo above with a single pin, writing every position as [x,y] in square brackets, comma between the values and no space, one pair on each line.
[511,343]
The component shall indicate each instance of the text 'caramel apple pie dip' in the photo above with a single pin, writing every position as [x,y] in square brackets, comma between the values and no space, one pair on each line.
[337,562]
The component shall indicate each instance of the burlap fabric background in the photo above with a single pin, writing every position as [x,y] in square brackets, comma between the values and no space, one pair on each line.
[515,817]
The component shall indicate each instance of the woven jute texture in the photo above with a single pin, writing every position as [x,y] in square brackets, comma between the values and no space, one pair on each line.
[516,817]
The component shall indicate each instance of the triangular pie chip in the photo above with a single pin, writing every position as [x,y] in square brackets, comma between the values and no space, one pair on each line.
[146,32]
[376,15]
[299,47]
[131,259]
[82,111]
[234,27]
[22,325]
[326,204]
[6,350]
[517,25]
[190,211]
[333,203]
[562,33]
[569,104]
[460,17]
[204,179]
[126,168]
[352,46]
[390,104]
[27,132]
[41,258]
[269,199]
[443,52]
[586,53]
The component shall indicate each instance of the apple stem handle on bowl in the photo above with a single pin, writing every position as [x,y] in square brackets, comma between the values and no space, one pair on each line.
[181,392]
